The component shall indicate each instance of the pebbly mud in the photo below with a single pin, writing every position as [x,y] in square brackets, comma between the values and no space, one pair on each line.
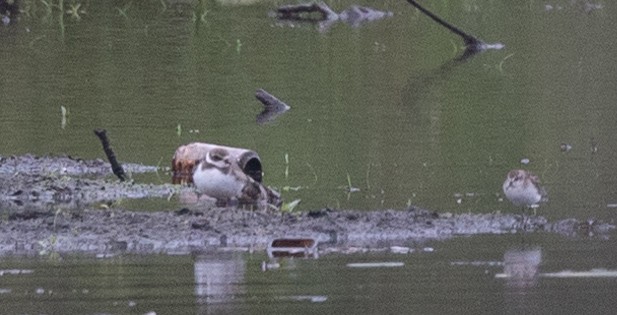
[37,183]
[32,223]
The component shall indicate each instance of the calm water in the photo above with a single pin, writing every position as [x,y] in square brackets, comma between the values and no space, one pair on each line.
[382,105]
[458,276]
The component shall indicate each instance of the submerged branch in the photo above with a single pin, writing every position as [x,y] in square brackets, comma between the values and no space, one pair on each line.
[295,11]
[273,107]
[472,43]
[468,39]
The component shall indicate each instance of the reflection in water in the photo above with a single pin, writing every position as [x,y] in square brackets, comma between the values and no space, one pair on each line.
[521,267]
[218,282]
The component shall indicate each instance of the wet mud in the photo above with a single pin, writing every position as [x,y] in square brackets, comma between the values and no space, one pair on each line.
[46,207]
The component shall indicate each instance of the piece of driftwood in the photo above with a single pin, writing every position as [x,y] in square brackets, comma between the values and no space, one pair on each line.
[321,13]
[356,15]
[115,166]
[472,43]
[302,11]
[273,107]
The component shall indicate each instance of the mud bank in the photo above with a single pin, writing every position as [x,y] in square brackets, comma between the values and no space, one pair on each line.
[30,182]
[105,232]
[27,229]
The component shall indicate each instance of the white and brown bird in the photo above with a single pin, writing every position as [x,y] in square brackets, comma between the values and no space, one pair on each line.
[219,176]
[523,189]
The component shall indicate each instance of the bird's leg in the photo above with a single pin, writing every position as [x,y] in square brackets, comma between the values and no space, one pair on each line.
[221,203]
[524,219]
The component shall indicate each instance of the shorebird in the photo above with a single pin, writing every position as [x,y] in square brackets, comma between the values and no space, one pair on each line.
[220,177]
[523,189]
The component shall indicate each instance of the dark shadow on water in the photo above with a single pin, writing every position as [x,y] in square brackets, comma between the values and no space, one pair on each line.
[420,84]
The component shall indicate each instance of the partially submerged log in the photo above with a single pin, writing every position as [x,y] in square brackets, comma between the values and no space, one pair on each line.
[356,15]
[321,13]
[302,12]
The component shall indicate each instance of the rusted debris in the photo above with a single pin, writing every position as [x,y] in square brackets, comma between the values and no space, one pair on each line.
[273,107]
[321,13]
[115,166]
[188,156]
[229,175]
[293,247]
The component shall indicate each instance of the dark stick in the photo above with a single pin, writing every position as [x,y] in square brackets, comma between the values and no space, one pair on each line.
[468,39]
[292,12]
[115,166]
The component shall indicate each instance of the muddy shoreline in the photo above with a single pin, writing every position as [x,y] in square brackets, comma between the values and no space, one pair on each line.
[46,208]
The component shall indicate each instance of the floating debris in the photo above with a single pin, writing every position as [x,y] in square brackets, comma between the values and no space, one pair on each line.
[400,250]
[476,263]
[15,272]
[594,146]
[310,298]
[293,247]
[64,113]
[564,147]
[593,273]
[589,7]
[376,265]
[321,14]
[265,266]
